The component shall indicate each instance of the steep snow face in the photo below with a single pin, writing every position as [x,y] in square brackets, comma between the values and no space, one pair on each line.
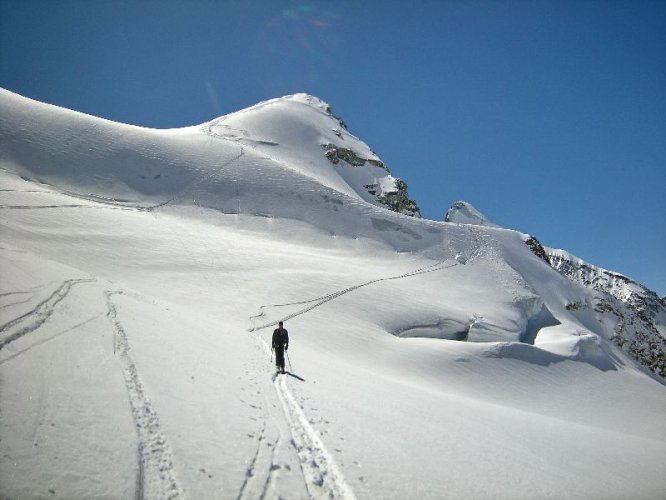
[462,212]
[143,272]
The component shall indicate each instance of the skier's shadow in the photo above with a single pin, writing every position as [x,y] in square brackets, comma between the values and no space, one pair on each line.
[276,374]
[295,376]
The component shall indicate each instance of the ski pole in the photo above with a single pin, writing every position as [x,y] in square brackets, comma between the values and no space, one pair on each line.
[288,360]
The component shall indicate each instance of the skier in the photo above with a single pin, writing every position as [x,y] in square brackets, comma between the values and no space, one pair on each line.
[280,344]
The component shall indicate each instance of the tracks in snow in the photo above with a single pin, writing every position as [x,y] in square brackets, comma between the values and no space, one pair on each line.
[309,305]
[102,202]
[291,461]
[323,479]
[33,319]
[197,182]
[319,475]
[156,477]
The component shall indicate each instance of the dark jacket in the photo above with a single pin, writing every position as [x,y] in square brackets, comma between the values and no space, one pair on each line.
[280,338]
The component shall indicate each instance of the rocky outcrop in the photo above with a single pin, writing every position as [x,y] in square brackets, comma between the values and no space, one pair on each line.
[329,111]
[637,312]
[399,200]
[538,249]
[336,154]
[395,198]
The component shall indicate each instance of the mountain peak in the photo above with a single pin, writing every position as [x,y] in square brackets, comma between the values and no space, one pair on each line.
[300,132]
[309,99]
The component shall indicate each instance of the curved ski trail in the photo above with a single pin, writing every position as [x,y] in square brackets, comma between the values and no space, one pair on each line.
[33,319]
[311,304]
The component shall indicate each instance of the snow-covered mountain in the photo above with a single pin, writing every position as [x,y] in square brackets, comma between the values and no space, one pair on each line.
[143,272]
[635,314]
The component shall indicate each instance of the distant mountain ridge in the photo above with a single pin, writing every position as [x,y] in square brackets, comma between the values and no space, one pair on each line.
[637,314]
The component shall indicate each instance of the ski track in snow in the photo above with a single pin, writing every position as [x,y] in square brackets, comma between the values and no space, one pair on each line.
[483,246]
[197,182]
[33,319]
[319,301]
[43,207]
[50,338]
[156,477]
[274,470]
[322,476]
[115,204]
[289,441]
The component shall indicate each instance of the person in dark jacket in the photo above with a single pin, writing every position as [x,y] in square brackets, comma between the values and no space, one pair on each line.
[280,345]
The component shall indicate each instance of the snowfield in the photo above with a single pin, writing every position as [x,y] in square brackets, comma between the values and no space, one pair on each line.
[143,272]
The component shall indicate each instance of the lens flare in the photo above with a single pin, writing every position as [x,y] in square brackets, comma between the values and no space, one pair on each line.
[297,46]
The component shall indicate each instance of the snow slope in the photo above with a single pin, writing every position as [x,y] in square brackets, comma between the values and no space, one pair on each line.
[143,272]
[464,213]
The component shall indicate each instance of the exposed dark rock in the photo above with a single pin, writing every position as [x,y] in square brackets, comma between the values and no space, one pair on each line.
[538,249]
[399,200]
[335,154]
[329,111]
[377,163]
[634,309]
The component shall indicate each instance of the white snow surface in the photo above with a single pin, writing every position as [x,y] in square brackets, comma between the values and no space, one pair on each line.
[143,271]
[463,212]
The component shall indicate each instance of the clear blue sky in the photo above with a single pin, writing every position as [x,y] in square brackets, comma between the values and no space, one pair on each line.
[549,117]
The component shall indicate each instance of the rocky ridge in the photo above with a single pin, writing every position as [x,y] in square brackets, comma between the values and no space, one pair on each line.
[638,312]
[637,315]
